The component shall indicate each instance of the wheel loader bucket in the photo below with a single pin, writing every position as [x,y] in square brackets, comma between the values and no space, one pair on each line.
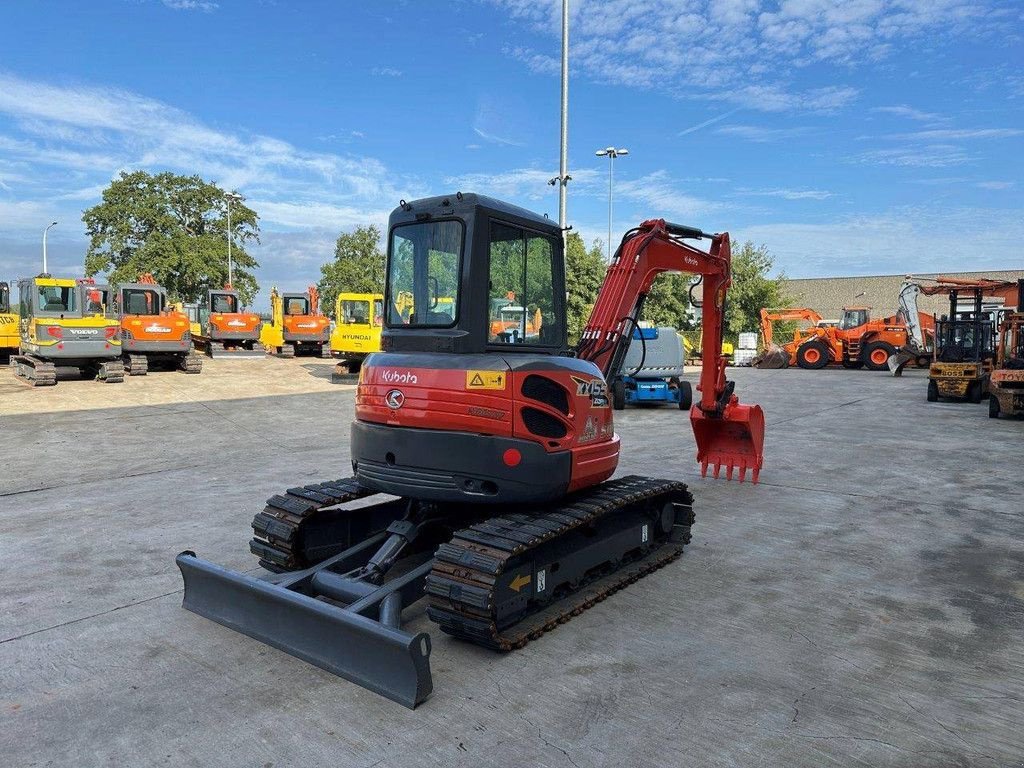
[734,440]
[375,655]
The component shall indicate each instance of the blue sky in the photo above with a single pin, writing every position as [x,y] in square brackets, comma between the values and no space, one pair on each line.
[854,137]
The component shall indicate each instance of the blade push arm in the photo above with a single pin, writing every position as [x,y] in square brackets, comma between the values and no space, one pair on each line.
[727,433]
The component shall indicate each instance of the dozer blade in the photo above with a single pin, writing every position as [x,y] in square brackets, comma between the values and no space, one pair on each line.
[734,440]
[369,653]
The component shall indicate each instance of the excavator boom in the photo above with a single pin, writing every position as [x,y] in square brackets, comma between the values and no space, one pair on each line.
[727,433]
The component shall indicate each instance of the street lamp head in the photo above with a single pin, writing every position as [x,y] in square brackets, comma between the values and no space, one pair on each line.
[233,197]
[53,224]
[622,151]
[601,152]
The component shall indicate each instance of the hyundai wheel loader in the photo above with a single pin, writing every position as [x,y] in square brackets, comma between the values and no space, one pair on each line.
[296,325]
[152,334]
[482,460]
[66,323]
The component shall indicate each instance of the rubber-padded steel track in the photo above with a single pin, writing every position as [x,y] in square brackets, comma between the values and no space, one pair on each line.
[191,363]
[110,371]
[136,365]
[488,583]
[34,371]
[280,542]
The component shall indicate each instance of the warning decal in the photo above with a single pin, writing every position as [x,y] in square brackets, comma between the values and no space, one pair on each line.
[485,379]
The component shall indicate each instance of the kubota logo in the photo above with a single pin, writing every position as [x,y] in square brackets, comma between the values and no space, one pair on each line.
[691,261]
[154,328]
[398,377]
[394,399]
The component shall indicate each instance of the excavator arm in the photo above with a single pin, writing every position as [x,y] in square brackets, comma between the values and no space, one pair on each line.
[770,316]
[727,433]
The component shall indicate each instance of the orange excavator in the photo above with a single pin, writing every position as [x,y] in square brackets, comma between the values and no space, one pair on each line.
[482,462]
[296,325]
[153,334]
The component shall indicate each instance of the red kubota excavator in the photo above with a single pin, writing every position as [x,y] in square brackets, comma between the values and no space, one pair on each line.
[494,445]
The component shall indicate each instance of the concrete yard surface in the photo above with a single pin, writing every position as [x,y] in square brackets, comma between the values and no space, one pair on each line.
[862,606]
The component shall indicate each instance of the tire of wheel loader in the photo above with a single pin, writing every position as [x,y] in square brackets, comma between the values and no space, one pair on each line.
[933,392]
[876,355]
[812,356]
[685,395]
[993,407]
[618,395]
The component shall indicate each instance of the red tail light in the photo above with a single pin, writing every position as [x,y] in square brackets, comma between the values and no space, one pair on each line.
[55,331]
[112,331]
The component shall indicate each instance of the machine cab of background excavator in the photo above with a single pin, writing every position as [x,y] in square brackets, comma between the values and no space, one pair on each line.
[853,317]
[5,298]
[222,302]
[136,299]
[458,263]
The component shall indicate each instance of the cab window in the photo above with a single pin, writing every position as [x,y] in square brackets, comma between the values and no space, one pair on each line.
[521,306]
[354,312]
[424,267]
[56,298]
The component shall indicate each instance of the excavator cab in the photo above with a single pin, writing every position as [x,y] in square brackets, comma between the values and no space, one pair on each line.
[5,298]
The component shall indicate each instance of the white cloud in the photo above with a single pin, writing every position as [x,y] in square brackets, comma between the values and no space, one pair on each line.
[902,110]
[744,52]
[528,183]
[927,156]
[191,5]
[851,246]
[954,134]
[996,185]
[386,72]
[787,194]
[762,134]
[495,139]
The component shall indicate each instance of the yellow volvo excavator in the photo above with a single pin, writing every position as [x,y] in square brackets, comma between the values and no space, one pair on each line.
[64,323]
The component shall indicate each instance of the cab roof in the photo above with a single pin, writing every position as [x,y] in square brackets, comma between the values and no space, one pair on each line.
[463,205]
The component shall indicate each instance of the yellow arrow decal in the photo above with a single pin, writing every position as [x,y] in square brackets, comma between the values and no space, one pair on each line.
[520,581]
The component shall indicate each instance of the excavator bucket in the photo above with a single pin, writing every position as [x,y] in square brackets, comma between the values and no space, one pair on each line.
[734,440]
[899,359]
[773,357]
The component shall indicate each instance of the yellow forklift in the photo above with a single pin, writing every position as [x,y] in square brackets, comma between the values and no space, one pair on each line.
[66,323]
[1006,384]
[964,348]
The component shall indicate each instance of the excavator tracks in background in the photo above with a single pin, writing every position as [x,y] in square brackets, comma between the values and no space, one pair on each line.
[511,578]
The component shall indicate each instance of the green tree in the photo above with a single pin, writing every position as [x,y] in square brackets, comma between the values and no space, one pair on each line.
[584,273]
[668,302]
[174,227]
[358,267]
[752,288]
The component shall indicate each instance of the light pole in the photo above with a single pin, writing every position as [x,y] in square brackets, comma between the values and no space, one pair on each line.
[611,153]
[231,197]
[54,224]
